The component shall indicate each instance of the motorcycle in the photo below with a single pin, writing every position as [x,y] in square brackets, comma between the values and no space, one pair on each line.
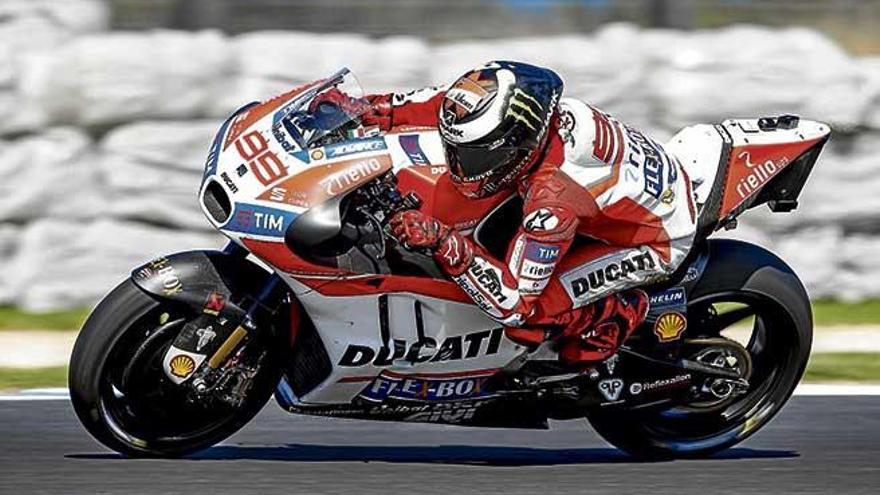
[313,301]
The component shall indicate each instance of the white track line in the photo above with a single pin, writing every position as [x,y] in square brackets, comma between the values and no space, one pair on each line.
[837,389]
[804,389]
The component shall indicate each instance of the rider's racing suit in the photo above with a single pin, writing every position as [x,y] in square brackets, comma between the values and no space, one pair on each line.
[605,210]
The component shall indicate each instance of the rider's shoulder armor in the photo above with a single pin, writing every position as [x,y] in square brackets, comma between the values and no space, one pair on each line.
[578,131]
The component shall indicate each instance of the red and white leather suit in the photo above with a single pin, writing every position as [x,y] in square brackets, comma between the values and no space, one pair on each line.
[605,209]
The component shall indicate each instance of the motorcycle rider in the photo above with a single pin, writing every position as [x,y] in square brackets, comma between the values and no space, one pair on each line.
[599,198]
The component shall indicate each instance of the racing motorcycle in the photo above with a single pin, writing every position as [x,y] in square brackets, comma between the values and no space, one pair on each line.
[312,300]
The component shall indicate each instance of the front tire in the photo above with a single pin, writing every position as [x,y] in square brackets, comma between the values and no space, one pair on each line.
[767,291]
[131,407]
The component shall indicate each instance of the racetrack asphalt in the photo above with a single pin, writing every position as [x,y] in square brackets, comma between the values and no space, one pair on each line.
[816,445]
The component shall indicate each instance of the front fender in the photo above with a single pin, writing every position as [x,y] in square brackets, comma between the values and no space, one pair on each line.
[198,278]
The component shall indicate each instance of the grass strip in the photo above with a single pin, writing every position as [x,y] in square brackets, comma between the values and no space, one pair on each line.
[22,378]
[844,367]
[824,313]
[17,319]
[838,313]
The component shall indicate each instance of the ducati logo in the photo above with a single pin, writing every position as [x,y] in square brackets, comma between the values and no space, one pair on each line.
[607,273]
[453,348]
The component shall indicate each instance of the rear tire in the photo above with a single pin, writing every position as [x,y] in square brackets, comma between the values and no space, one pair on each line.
[780,348]
[119,323]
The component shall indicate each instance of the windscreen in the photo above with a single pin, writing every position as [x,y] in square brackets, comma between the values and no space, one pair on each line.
[325,112]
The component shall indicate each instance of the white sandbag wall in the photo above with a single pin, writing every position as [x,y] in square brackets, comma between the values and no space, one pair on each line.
[103,134]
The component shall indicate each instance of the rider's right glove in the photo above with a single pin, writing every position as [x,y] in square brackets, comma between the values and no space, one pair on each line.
[374,110]
[419,231]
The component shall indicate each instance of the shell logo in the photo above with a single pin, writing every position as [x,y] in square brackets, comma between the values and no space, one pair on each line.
[182,365]
[670,326]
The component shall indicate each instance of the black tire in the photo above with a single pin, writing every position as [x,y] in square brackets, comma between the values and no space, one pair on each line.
[780,347]
[100,350]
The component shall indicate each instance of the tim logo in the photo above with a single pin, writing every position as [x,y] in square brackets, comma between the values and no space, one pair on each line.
[259,220]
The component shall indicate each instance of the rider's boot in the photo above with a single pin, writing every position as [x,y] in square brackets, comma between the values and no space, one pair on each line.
[614,319]
[590,334]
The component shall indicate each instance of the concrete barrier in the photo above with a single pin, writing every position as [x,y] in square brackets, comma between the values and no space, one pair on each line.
[103,134]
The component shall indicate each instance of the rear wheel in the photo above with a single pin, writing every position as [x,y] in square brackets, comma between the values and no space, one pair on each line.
[121,394]
[768,311]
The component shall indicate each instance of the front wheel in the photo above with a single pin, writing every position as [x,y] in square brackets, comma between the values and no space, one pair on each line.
[746,294]
[121,394]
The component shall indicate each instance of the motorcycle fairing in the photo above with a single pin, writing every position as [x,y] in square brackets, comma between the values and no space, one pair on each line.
[367,326]
[506,411]
[257,216]
[759,153]
[742,163]
[404,333]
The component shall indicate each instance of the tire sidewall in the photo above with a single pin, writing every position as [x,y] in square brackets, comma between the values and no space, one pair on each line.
[734,266]
[113,316]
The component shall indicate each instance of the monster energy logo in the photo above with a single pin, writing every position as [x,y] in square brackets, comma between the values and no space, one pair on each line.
[522,109]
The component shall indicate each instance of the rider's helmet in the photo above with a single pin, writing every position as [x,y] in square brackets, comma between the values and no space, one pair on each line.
[495,122]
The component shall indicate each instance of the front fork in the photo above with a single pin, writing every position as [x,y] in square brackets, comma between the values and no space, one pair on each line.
[214,339]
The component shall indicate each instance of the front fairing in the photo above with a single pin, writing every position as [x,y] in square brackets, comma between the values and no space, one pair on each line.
[259,178]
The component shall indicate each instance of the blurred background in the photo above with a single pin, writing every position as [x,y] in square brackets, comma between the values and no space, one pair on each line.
[107,108]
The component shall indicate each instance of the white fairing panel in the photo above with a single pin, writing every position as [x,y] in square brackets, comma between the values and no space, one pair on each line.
[465,340]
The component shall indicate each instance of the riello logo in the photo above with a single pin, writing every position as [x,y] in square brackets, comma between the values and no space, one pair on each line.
[759,173]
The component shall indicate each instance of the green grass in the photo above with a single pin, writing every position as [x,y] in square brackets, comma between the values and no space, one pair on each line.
[844,367]
[18,378]
[16,319]
[824,313]
[837,313]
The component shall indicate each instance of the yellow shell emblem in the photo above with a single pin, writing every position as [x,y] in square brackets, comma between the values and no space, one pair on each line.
[182,366]
[670,326]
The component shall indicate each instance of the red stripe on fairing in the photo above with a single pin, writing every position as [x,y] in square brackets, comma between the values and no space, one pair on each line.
[388,284]
[277,255]
[453,374]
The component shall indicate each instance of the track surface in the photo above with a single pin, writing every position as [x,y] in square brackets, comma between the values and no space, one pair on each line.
[816,445]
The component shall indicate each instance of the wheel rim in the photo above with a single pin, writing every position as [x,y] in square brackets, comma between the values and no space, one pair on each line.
[774,349]
[139,404]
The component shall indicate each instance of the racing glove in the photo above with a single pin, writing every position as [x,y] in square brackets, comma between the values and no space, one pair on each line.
[418,231]
[374,110]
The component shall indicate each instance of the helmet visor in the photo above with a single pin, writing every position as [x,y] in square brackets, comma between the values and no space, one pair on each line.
[477,162]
